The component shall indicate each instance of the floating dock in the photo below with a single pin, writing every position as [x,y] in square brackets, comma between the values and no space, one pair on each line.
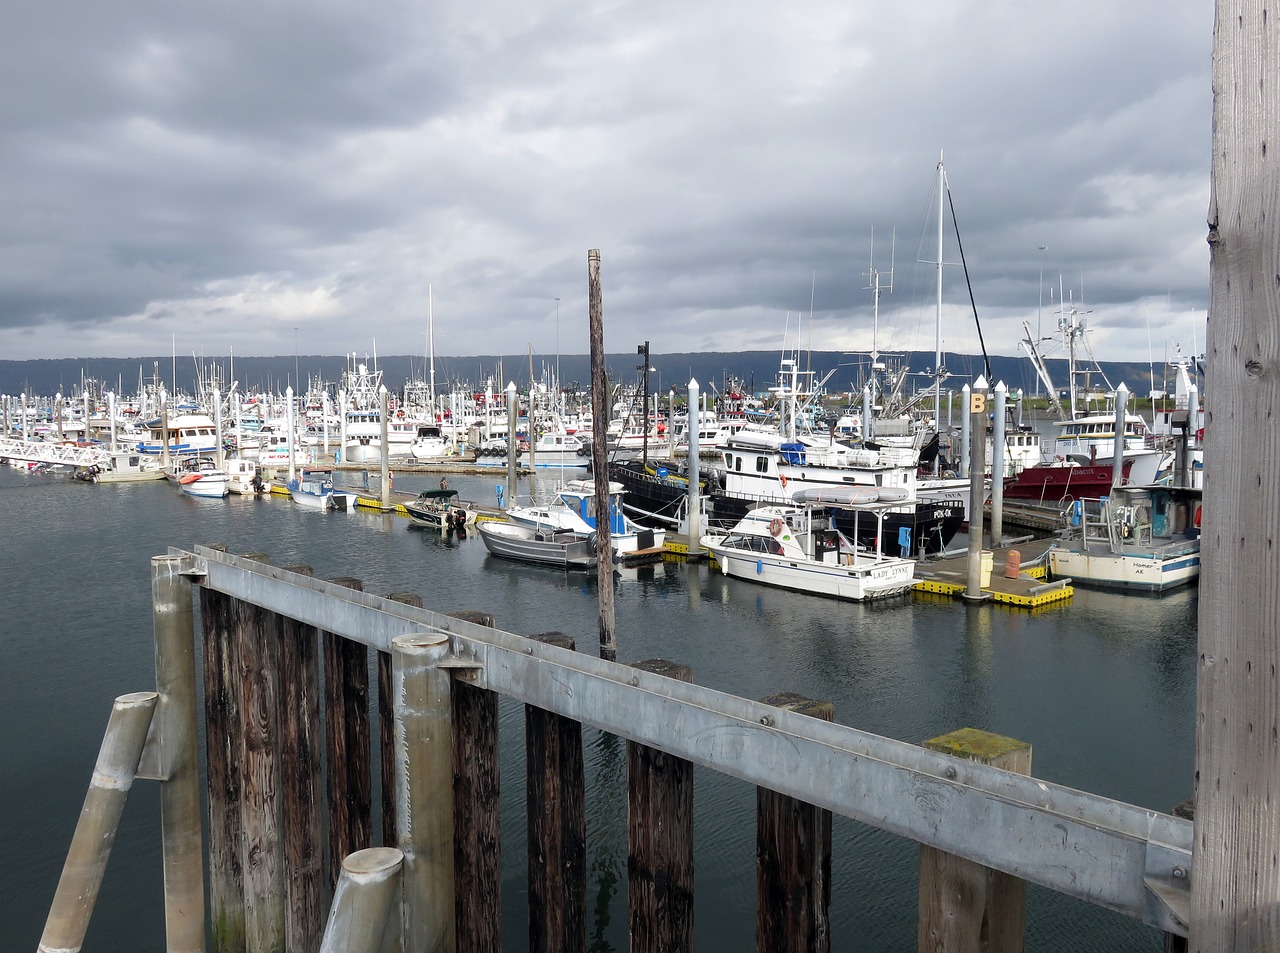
[1023,587]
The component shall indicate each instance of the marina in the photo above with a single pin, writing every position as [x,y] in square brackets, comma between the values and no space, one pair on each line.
[1060,679]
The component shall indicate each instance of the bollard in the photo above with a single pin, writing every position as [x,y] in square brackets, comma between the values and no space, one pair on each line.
[966,907]
[424,791]
[363,899]
[117,765]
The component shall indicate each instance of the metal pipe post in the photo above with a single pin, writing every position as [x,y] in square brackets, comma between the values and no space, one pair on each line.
[977,447]
[511,444]
[363,898]
[111,414]
[424,791]
[342,425]
[217,427]
[386,448]
[868,415]
[966,430]
[178,768]
[289,430]
[117,765]
[694,519]
[1188,445]
[1117,454]
[997,464]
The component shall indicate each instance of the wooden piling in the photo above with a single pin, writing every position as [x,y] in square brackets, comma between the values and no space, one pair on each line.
[347,756]
[557,836]
[363,901]
[173,615]
[599,461]
[659,840]
[424,762]
[222,750]
[86,862]
[301,759]
[793,860]
[262,846]
[966,907]
[477,842]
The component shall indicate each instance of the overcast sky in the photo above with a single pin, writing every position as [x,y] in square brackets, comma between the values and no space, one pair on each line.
[250,175]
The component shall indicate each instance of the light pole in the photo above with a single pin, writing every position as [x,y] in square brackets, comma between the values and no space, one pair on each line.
[1040,308]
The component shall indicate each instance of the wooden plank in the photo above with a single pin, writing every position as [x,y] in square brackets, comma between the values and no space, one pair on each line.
[965,907]
[300,763]
[347,757]
[557,838]
[793,860]
[477,828]
[222,750]
[262,848]
[659,840]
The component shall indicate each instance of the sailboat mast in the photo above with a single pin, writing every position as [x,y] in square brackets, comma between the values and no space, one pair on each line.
[937,331]
[431,348]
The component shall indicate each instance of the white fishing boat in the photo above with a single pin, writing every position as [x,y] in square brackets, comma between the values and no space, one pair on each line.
[314,489]
[575,509]
[556,449]
[564,549]
[800,547]
[439,510]
[188,434]
[200,476]
[123,466]
[1137,537]
[431,443]
[244,477]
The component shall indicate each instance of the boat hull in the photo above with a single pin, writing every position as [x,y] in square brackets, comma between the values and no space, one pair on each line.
[560,549]
[1148,572]
[852,583]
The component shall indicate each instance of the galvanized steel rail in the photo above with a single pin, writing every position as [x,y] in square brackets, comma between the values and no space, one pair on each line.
[1126,858]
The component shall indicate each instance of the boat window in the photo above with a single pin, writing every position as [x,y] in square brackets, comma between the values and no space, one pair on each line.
[762,464]
[737,464]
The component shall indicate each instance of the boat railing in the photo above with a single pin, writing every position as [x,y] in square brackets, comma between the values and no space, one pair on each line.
[298,805]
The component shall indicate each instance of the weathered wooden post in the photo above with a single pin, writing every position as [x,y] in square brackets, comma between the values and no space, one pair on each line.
[222,752]
[347,754]
[366,892]
[424,786]
[301,758]
[1235,881]
[177,761]
[477,829]
[966,907]
[793,860]
[262,841]
[599,458]
[659,840]
[86,862]
[557,840]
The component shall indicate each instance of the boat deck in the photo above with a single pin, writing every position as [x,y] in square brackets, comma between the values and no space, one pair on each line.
[948,575]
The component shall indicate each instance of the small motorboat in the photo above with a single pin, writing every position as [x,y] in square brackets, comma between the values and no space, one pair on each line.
[200,476]
[575,509]
[564,549]
[314,488]
[438,510]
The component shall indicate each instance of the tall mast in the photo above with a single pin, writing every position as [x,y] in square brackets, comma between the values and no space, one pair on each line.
[937,331]
[431,348]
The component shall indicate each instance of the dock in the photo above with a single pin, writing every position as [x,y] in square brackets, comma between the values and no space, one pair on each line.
[1024,587]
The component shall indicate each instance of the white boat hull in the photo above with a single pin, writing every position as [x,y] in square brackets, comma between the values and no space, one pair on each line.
[1151,572]
[855,583]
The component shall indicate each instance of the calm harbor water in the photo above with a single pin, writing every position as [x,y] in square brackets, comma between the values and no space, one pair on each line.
[1103,687]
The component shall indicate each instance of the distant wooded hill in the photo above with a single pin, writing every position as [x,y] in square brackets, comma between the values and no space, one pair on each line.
[757,369]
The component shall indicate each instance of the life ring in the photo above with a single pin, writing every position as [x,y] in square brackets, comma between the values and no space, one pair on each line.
[400,414]
[776,526]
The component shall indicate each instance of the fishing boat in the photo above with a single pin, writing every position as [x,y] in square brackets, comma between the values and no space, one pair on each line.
[1137,537]
[200,476]
[431,443]
[314,489]
[188,434]
[122,466]
[800,547]
[575,509]
[244,477]
[561,548]
[438,510]
[557,449]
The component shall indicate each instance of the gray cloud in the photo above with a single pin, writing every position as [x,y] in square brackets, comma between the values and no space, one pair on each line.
[221,176]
